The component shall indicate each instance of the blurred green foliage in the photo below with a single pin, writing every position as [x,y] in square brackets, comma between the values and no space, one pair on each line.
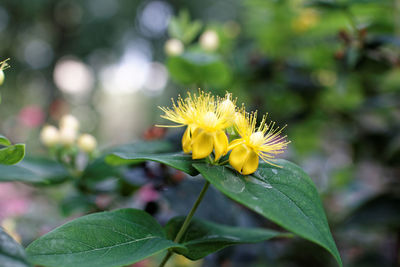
[329,69]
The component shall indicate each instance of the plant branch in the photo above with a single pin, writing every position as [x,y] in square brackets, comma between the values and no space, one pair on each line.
[186,223]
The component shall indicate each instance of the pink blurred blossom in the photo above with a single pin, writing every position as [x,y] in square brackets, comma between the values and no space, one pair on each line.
[31,116]
[103,201]
[147,193]
[13,201]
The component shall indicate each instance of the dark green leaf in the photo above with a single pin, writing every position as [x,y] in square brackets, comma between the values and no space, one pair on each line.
[199,68]
[34,171]
[178,161]
[78,203]
[363,2]
[11,253]
[4,141]
[99,170]
[142,147]
[12,154]
[105,239]
[203,237]
[327,4]
[284,195]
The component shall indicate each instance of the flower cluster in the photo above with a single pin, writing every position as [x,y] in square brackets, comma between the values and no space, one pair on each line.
[208,41]
[67,135]
[208,119]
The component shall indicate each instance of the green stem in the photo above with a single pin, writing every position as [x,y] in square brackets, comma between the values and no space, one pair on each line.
[224,162]
[352,19]
[211,159]
[186,223]
[166,258]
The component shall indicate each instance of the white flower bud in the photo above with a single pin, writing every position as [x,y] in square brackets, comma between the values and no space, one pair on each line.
[50,135]
[227,108]
[209,40]
[67,135]
[1,77]
[173,47]
[87,143]
[69,122]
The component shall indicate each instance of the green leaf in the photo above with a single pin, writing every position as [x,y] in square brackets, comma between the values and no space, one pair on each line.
[199,68]
[41,171]
[203,237]
[182,28]
[153,147]
[105,239]
[363,2]
[4,141]
[178,161]
[12,154]
[327,4]
[11,253]
[98,170]
[285,195]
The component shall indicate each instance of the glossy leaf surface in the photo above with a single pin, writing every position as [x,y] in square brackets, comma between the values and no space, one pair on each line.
[105,239]
[285,195]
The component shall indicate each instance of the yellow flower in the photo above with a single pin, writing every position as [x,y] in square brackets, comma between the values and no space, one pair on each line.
[206,118]
[263,142]
[307,19]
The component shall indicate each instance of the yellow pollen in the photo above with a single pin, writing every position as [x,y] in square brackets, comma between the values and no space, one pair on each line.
[257,139]
[210,119]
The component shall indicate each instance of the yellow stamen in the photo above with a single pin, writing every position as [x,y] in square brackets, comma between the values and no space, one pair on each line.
[263,142]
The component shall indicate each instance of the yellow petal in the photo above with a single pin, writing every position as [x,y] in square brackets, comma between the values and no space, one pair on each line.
[220,144]
[202,144]
[238,157]
[235,143]
[251,163]
[195,131]
[187,141]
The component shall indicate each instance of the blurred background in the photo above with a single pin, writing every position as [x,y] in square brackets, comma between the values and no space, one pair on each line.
[330,70]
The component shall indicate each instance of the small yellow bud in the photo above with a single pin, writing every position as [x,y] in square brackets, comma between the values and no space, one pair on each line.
[67,136]
[209,40]
[1,77]
[87,143]
[49,135]
[70,122]
[173,47]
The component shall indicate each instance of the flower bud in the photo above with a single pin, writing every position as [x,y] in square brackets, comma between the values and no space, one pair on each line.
[1,77]
[49,135]
[227,108]
[69,122]
[209,40]
[87,143]
[67,136]
[173,47]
